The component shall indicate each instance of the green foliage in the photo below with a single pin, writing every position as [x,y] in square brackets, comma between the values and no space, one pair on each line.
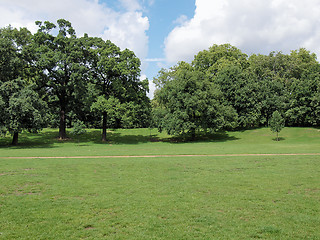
[111,106]
[23,110]
[218,56]
[122,100]
[91,79]
[257,86]
[21,106]
[189,102]
[276,123]
[78,128]
[15,55]
[61,62]
[136,115]
[242,93]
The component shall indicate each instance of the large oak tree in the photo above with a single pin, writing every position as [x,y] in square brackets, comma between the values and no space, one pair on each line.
[62,61]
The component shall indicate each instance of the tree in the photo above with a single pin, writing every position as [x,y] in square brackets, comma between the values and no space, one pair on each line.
[226,66]
[115,76]
[22,109]
[21,106]
[276,123]
[270,74]
[107,107]
[211,61]
[187,102]
[242,93]
[61,60]
[304,90]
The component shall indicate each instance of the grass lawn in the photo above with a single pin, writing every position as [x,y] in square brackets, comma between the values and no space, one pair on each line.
[137,142]
[248,197]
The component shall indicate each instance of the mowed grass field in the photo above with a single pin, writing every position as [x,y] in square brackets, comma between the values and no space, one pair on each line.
[150,142]
[195,197]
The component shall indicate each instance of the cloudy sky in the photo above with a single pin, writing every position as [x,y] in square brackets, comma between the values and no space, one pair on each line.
[162,32]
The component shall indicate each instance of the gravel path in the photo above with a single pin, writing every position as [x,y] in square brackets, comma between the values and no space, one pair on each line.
[167,156]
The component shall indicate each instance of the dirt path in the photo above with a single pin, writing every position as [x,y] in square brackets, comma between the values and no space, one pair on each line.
[168,156]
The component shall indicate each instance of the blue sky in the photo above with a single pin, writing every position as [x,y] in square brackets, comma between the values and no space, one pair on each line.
[163,32]
[163,16]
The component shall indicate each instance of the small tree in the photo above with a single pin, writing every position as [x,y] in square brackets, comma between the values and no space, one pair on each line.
[22,109]
[78,128]
[276,123]
[107,108]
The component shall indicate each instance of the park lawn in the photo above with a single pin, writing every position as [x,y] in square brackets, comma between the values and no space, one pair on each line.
[266,197]
[150,142]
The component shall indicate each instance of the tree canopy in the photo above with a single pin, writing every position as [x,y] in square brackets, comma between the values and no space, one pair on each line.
[188,101]
[21,106]
[64,74]
[250,88]
[54,78]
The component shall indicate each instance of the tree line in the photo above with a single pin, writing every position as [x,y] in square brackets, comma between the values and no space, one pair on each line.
[223,88]
[55,79]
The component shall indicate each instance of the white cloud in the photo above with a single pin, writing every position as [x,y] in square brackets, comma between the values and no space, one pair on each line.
[126,29]
[181,20]
[131,5]
[254,26]
[155,59]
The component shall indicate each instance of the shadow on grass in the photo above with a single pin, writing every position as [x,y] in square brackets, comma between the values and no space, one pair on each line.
[112,137]
[48,139]
[201,137]
[279,139]
[30,140]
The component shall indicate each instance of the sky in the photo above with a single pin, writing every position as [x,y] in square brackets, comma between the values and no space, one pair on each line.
[164,32]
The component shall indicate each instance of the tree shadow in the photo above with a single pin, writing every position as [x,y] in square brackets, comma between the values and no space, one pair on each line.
[118,138]
[202,137]
[48,139]
[30,140]
[279,139]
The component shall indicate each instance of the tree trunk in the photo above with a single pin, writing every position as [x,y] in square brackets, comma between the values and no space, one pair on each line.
[193,134]
[15,139]
[104,127]
[277,136]
[62,126]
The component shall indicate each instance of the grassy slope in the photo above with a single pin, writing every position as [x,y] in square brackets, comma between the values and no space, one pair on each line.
[137,142]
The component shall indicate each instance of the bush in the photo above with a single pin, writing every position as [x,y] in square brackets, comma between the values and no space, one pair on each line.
[78,128]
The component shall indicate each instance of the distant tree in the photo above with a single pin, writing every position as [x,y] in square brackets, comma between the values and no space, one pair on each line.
[186,102]
[226,66]
[211,61]
[303,108]
[270,74]
[110,107]
[136,114]
[241,92]
[276,123]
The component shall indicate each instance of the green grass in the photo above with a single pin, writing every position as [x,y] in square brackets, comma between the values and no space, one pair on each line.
[247,197]
[137,142]
[161,198]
